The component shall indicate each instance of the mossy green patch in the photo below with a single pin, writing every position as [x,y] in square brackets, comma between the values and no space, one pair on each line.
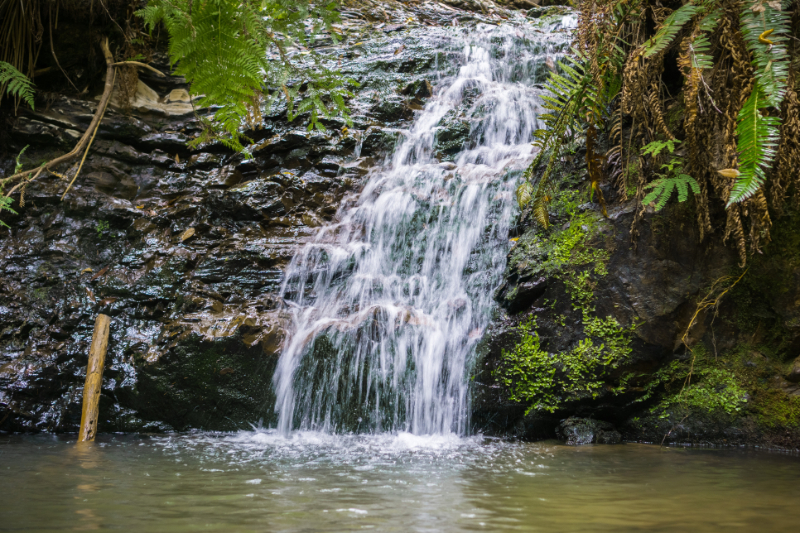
[546,380]
[760,376]
[695,384]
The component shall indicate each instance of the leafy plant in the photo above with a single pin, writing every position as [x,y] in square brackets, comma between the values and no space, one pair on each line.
[101,227]
[662,189]
[5,205]
[669,29]
[16,83]
[579,96]
[673,180]
[739,101]
[702,386]
[224,49]
[655,148]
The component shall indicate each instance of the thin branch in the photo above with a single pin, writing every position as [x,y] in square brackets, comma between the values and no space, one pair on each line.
[142,65]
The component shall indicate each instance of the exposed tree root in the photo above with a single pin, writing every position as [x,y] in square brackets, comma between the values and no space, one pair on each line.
[85,141]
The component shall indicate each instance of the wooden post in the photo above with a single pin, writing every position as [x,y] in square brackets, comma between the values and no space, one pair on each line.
[94,379]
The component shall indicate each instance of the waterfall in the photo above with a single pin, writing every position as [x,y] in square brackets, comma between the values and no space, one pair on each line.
[389,302]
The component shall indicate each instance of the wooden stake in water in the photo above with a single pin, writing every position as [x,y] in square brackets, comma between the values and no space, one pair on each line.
[94,379]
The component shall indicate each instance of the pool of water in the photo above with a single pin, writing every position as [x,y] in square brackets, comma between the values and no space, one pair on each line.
[261,481]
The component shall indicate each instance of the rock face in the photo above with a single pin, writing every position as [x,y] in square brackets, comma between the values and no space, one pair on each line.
[650,292]
[794,371]
[184,249]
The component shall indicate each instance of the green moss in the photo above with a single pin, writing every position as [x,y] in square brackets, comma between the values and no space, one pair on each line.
[696,384]
[41,293]
[759,375]
[101,228]
[553,251]
[546,380]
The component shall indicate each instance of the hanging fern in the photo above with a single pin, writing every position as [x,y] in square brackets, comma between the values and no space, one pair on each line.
[701,57]
[570,96]
[16,83]
[567,93]
[669,29]
[765,34]
[222,48]
[758,140]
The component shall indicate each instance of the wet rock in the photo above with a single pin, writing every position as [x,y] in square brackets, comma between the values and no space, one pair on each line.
[519,296]
[195,330]
[391,109]
[419,89]
[579,431]
[452,133]
[794,371]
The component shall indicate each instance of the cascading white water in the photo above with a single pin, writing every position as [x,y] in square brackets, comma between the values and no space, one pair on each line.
[388,303]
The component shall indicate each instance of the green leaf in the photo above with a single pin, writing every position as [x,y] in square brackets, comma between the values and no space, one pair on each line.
[654,148]
[770,62]
[662,189]
[669,29]
[223,48]
[757,143]
[16,83]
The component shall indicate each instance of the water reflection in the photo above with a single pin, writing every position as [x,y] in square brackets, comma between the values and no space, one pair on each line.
[260,481]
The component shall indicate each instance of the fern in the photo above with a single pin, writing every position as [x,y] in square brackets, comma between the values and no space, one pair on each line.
[16,83]
[568,92]
[673,180]
[656,147]
[770,61]
[222,48]
[5,205]
[701,57]
[669,29]
[663,187]
[758,133]
[757,142]
[525,193]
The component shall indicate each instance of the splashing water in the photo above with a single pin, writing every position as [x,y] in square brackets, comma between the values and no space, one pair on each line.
[389,303]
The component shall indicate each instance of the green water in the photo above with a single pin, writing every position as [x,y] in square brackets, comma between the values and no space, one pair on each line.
[259,481]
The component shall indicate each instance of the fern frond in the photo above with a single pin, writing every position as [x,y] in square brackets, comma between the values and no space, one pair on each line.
[770,61]
[16,83]
[669,29]
[662,190]
[524,194]
[757,143]
[221,48]
[540,202]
